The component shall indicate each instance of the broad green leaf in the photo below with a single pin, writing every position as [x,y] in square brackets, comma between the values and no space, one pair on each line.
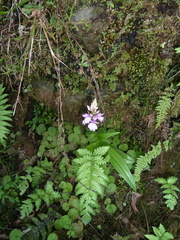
[97,139]
[100,137]
[118,161]
[129,160]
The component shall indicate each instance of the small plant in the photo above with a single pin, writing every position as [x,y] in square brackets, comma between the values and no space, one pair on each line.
[9,190]
[48,195]
[160,234]
[119,160]
[43,116]
[170,191]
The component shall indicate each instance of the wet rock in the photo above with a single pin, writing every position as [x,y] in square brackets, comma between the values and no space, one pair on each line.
[90,21]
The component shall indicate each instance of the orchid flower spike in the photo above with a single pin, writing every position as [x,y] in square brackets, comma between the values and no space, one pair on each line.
[93,117]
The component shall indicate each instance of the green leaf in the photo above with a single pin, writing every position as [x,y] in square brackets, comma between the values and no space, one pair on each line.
[73,137]
[52,236]
[123,147]
[103,136]
[98,138]
[63,222]
[52,131]
[111,208]
[168,236]
[100,151]
[161,180]
[15,234]
[118,161]
[151,237]
[41,129]
[177,50]
[86,218]
[111,188]
[171,180]
[5,115]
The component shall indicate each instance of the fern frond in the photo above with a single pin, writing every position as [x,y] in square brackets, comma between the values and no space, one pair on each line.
[100,151]
[26,208]
[36,199]
[164,104]
[84,151]
[50,194]
[144,161]
[91,179]
[36,174]
[49,187]
[5,115]
[170,191]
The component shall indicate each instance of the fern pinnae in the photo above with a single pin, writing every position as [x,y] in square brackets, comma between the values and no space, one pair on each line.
[91,177]
[144,161]
[164,104]
[100,151]
[5,115]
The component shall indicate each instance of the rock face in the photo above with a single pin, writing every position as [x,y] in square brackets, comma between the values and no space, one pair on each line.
[72,105]
[90,21]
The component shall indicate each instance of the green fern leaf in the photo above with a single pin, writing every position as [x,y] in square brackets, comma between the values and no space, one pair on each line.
[84,151]
[46,199]
[55,196]
[144,161]
[91,179]
[170,191]
[171,203]
[5,115]
[160,180]
[49,187]
[26,208]
[164,104]
[100,151]
[36,199]
[171,180]
[36,174]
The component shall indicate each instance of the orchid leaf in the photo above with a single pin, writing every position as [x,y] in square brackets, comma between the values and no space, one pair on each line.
[118,160]
[99,139]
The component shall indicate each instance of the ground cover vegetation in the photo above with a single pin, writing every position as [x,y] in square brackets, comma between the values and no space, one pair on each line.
[89,119]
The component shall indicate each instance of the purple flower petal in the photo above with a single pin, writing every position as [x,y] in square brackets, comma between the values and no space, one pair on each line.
[87,115]
[86,120]
[92,126]
[99,117]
